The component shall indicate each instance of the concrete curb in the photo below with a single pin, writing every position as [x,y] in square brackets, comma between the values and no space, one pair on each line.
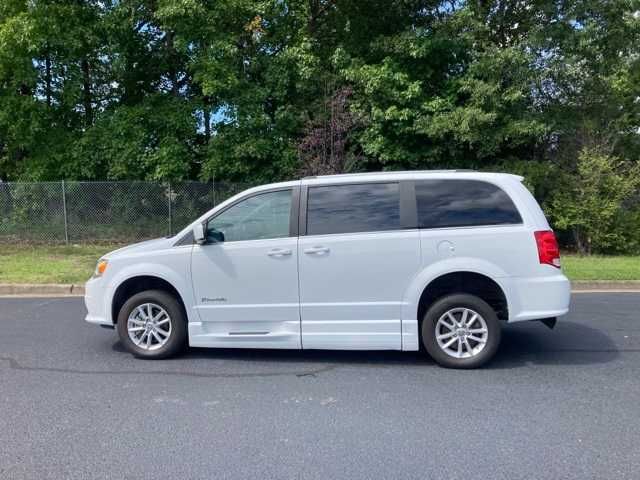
[66,290]
[40,289]
[605,285]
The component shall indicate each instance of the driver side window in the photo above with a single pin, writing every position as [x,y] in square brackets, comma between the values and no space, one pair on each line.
[261,216]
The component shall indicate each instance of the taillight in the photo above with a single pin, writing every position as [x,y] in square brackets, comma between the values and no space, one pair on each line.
[548,251]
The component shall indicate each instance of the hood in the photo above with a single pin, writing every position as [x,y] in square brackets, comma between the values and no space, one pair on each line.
[146,246]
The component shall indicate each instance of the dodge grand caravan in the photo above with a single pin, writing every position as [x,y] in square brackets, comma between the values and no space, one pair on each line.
[372,261]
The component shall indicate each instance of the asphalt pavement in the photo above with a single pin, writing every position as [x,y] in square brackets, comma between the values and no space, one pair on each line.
[555,404]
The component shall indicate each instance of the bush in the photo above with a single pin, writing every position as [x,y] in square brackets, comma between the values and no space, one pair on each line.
[592,203]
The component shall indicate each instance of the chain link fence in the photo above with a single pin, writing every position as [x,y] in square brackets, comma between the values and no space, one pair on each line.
[109,212]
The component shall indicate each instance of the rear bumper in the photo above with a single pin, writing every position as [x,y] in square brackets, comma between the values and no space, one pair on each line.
[534,298]
[94,300]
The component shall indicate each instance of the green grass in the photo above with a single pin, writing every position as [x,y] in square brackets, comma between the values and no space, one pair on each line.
[49,264]
[596,267]
[75,264]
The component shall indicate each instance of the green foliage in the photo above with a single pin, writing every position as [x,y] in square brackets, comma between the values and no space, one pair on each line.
[154,139]
[591,200]
[245,91]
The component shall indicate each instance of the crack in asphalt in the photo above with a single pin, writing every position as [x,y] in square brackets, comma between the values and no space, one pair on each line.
[15,365]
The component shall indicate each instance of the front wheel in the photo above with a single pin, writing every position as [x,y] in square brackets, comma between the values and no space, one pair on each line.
[151,324]
[461,331]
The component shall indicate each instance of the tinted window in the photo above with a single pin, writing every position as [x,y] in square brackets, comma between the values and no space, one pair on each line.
[262,216]
[370,207]
[461,203]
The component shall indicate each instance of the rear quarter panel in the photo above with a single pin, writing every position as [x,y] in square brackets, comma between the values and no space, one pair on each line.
[505,253]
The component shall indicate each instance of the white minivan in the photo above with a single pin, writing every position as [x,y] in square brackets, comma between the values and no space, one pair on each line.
[374,261]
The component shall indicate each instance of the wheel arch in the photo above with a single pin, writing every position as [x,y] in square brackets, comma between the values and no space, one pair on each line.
[140,283]
[468,282]
[413,298]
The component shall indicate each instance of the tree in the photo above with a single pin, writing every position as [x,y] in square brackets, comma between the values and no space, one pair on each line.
[262,90]
[324,148]
[591,198]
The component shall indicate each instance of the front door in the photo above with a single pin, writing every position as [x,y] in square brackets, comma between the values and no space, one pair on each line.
[245,278]
[356,261]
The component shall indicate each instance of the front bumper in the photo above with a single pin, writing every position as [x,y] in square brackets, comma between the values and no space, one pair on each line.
[94,300]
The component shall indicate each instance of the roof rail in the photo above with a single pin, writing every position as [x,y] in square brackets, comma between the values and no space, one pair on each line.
[388,172]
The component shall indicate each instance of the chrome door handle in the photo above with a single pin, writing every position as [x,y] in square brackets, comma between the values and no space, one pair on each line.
[279,252]
[316,250]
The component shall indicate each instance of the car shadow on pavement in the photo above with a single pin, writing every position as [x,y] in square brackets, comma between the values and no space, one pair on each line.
[524,344]
[569,343]
[284,356]
[338,357]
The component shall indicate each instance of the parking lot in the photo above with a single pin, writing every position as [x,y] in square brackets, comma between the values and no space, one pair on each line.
[554,404]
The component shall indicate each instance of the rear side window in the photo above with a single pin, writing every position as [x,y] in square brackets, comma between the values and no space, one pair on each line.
[463,203]
[371,207]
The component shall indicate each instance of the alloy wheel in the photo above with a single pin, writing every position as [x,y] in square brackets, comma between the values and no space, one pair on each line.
[461,332]
[149,326]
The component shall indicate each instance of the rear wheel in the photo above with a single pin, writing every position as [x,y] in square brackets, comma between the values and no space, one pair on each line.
[151,324]
[461,331]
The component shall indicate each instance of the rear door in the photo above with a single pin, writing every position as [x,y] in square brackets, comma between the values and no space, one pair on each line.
[357,254]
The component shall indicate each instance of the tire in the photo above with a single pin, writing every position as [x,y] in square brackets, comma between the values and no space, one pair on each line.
[150,345]
[458,347]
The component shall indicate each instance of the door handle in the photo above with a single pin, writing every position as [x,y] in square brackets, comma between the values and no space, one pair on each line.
[279,252]
[316,250]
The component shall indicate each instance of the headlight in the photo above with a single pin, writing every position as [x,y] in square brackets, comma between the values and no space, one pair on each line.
[101,267]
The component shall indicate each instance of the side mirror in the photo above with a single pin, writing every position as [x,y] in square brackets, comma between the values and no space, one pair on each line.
[216,236]
[198,233]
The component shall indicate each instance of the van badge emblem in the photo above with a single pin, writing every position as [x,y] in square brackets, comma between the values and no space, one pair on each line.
[217,299]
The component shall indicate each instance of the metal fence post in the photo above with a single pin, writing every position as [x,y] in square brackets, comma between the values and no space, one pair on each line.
[64,211]
[170,212]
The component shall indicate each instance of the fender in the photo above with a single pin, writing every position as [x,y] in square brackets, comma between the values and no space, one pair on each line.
[411,299]
[151,269]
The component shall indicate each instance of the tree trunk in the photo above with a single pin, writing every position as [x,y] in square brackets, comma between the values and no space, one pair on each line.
[206,114]
[47,76]
[312,23]
[86,92]
[581,244]
[173,71]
